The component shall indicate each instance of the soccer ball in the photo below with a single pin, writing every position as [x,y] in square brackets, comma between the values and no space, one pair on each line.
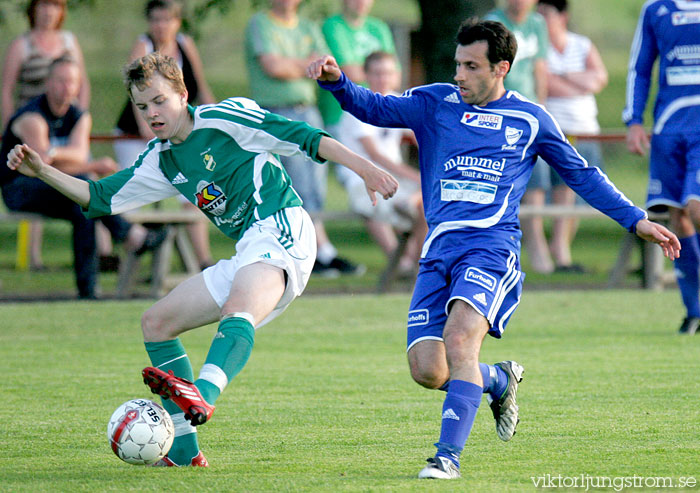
[140,432]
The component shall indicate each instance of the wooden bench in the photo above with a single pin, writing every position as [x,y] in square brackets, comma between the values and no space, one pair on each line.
[176,239]
[653,274]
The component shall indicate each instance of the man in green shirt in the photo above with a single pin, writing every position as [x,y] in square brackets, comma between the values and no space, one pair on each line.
[351,36]
[223,158]
[279,44]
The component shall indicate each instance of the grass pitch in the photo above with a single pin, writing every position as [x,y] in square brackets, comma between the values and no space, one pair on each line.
[326,402]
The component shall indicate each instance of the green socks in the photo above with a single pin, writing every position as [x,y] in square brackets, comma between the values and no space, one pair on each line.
[171,355]
[228,354]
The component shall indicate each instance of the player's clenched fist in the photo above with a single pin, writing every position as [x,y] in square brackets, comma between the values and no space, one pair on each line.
[325,69]
[24,159]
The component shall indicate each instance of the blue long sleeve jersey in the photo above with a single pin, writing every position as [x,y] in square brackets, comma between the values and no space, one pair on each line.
[670,31]
[475,161]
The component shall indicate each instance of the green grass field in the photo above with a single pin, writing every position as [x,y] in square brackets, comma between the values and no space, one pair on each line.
[326,402]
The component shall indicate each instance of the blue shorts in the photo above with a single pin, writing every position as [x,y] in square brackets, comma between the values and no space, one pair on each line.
[488,279]
[674,170]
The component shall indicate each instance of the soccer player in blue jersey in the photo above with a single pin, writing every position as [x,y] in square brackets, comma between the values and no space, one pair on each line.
[669,30]
[478,144]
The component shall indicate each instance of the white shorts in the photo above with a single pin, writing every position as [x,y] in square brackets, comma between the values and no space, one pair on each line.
[286,239]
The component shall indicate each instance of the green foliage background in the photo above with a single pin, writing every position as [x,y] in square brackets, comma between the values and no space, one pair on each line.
[107,29]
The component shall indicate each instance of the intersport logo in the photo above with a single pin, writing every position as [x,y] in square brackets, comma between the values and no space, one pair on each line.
[482,120]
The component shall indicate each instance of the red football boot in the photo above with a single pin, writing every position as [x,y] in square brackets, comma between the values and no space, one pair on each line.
[183,393]
[198,461]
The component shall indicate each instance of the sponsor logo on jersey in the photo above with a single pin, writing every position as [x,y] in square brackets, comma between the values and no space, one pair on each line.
[481,164]
[452,98]
[683,76]
[512,137]
[684,52]
[208,159]
[467,191]
[683,18]
[418,317]
[210,198]
[481,298]
[482,120]
[481,278]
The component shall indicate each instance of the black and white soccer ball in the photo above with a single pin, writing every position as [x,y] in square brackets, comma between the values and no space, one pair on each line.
[140,432]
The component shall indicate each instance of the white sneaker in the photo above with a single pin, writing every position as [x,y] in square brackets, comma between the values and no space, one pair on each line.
[439,468]
[505,409]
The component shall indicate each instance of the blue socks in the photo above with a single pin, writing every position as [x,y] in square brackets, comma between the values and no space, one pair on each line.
[686,267]
[460,407]
[495,380]
[458,413]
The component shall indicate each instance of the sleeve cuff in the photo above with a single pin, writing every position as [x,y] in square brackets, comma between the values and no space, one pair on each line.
[333,85]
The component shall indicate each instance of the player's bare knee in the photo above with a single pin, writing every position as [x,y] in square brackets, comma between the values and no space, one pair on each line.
[429,377]
[154,327]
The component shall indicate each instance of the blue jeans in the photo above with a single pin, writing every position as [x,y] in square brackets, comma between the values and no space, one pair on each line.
[26,194]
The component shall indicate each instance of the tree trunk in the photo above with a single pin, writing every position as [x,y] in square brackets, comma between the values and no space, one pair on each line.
[440,21]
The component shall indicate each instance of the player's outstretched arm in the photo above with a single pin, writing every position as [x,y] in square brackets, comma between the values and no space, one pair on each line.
[376,179]
[324,69]
[657,233]
[27,161]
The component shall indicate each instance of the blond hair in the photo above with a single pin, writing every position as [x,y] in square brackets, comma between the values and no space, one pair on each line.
[140,72]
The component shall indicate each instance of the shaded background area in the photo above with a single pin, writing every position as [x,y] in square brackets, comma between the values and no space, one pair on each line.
[424,30]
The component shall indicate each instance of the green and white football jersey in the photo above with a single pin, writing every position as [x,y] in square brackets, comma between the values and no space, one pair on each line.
[228,167]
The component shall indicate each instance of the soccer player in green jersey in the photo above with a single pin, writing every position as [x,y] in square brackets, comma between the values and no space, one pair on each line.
[224,158]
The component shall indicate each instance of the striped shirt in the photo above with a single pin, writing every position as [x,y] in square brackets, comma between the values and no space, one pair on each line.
[575,114]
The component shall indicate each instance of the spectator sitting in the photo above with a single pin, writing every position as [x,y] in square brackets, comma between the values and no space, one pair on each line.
[164,22]
[351,36]
[60,131]
[575,73]
[279,45]
[25,69]
[404,211]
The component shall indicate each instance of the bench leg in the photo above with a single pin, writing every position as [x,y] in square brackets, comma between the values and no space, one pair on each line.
[186,251]
[161,262]
[389,273]
[23,237]
[652,266]
[619,270]
[127,272]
